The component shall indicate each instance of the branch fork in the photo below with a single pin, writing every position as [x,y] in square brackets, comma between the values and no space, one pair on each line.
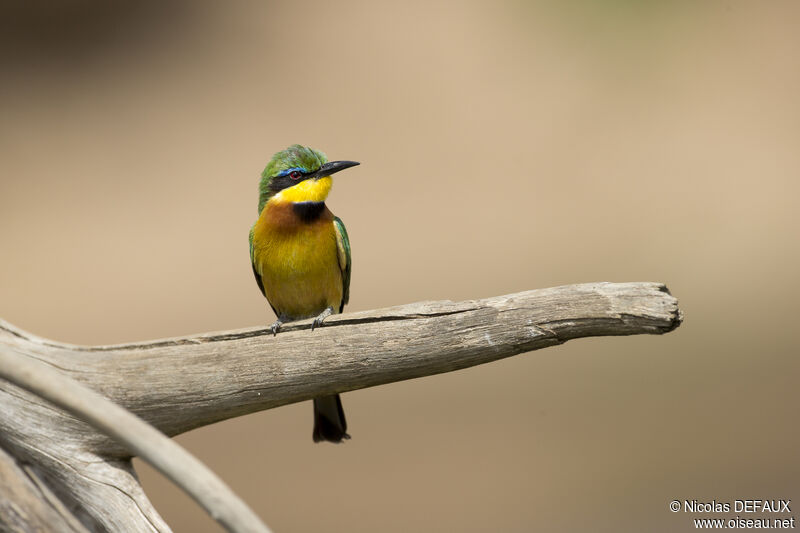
[68,467]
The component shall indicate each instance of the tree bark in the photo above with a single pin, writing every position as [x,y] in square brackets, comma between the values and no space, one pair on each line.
[182,383]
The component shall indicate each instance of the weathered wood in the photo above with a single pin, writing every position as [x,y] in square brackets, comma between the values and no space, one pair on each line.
[27,505]
[136,436]
[183,383]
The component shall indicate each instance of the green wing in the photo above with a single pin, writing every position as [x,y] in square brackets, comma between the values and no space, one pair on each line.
[345,259]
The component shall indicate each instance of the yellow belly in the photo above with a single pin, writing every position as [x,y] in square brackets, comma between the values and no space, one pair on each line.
[299,268]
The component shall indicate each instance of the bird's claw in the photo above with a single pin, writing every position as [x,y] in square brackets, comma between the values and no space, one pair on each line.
[322,316]
[275,328]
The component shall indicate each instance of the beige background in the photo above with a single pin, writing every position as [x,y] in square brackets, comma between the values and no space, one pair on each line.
[504,146]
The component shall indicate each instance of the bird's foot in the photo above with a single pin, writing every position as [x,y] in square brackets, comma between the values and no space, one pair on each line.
[276,327]
[322,316]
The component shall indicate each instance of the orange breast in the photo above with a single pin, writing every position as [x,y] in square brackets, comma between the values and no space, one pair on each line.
[298,262]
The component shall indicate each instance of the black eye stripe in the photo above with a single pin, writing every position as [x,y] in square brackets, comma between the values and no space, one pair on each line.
[278,183]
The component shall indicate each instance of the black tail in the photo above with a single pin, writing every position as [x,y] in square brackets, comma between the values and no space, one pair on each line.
[329,422]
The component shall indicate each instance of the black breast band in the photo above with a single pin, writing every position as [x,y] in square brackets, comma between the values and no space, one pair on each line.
[308,211]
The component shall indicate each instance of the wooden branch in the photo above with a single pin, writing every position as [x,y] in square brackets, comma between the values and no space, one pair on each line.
[138,437]
[183,383]
[27,504]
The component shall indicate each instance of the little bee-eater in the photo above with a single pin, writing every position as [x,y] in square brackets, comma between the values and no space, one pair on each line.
[301,254]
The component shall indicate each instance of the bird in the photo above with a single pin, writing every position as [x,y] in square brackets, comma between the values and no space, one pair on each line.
[301,257]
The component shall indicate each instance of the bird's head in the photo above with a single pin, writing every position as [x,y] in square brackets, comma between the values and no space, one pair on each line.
[298,174]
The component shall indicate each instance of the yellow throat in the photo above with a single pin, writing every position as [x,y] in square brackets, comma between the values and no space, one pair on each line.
[310,190]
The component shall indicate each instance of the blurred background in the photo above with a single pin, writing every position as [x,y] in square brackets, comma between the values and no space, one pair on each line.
[505,146]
